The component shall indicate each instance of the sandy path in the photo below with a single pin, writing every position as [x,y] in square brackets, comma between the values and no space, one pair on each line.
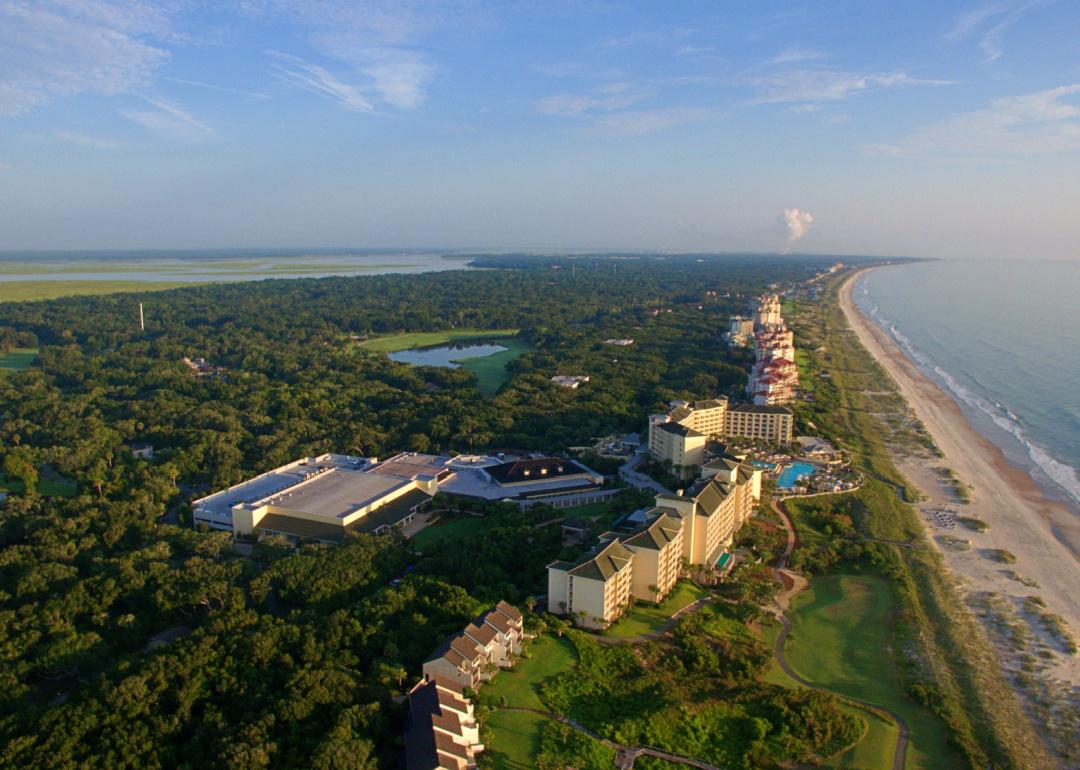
[1022,520]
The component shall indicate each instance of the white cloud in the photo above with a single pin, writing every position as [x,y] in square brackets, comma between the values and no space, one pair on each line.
[796,223]
[796,56]
[75,137]
[1043,121]
[990,22]
[224,89]
[824,85]
[614,96]
[57,48]
[169,121]
[317,80]
[400,76]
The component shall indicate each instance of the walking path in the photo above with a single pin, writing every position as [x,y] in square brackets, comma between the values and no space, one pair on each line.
[783,601]
[625,756]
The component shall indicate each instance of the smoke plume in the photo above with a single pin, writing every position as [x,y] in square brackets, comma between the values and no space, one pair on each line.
[796,223]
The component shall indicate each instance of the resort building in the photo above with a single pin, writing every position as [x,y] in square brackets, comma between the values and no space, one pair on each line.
[658,553]
[470,657]
[773,424]
[740,330]
[441,732]
[524,480]
[714,419]
[774,378]
[596,589]
[683,446]
[326,498]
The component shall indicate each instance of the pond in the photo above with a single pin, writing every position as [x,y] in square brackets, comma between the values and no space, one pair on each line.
[446,355]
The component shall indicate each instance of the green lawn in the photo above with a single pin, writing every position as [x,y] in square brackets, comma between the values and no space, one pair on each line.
[60,487]
[24,291]
[841,630]
[644,619]
[490,370]
[391,342]
[512,738]
[17,359]
[876,747]
[548,657]
[450,528]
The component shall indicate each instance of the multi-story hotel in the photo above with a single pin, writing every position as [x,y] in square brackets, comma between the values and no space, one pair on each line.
[645,563]
[697,422]
[774,377]
[597,589]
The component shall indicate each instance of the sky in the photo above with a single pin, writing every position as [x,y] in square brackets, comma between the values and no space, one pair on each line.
[940,129]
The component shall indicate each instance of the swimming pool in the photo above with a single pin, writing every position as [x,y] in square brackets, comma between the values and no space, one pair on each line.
[763,465]
[792,472]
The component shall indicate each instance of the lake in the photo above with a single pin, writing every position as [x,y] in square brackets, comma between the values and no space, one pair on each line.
[446,355]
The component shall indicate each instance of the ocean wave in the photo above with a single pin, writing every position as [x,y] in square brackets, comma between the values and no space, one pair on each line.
[1062,474]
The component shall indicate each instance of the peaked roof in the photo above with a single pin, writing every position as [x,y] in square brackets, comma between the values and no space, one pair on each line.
[655,535]
[606,563]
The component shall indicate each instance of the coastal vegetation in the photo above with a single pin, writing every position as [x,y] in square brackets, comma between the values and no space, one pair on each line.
[941,655]
[407,340]
[27,291]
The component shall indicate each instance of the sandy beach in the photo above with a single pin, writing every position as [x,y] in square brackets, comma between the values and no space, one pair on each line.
[1022,519]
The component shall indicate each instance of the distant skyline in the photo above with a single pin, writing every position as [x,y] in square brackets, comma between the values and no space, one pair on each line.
[930,129]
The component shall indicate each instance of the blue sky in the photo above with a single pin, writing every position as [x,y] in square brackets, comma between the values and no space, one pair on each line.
[921,128]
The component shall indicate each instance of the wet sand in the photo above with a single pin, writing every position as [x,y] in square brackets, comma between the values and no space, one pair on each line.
[1043,534]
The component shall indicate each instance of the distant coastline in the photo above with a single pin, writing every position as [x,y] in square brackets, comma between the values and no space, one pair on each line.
[1043,534]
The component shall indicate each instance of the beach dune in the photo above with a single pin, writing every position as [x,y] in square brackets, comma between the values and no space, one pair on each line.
[1042,534]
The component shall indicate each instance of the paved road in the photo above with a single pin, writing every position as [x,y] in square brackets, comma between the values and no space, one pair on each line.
[783,599]
[628,472]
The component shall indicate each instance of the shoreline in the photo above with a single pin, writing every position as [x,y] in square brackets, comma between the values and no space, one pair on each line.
[1043,534]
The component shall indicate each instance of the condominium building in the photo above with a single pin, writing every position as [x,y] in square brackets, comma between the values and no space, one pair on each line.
[469,658]
[683,446]
[596,589]
[658,552]
[441,732]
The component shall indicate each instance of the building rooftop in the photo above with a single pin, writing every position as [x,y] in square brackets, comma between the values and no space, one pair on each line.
[760,409]
[411,465]
[611,559]
[679,430]
[655,535]
[384,516]
[337,493]
[535,469]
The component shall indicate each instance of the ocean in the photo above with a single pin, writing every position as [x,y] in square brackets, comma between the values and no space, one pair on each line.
[1003,339]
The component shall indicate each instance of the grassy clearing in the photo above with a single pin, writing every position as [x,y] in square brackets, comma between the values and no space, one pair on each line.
[840,626]
[60,487]
[26,291]
[512,740]
[17,359]
[409,340]
[645,619]
[450,528]
[490,370]
[549,656]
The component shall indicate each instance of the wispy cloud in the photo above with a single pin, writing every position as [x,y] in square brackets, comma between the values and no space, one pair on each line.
[56,48]
[4,166]
[169,121]
[215,87]
[614,96]
[377,39]
[1038,122]
[311,77]
[75,137]
[795,56]
[990,22]
[826,85]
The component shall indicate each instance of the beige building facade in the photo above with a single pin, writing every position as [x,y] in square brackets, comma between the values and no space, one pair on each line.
[596,590]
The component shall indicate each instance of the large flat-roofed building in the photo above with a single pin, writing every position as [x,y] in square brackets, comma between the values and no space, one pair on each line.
[325,498]
[521,479]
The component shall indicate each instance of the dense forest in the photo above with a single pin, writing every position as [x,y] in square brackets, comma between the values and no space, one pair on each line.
[127,641]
